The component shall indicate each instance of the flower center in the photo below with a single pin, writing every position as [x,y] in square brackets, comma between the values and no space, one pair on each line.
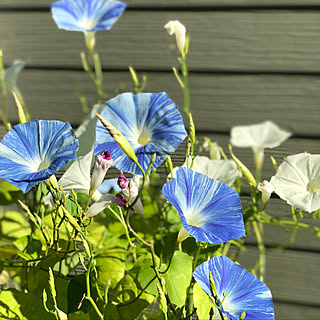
[144,137]
[313,187]
[194,219]
[43,165]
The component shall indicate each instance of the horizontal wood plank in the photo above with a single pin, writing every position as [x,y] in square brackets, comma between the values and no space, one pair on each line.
[218,102]
[289,276]
[172,3]
[263,41]
[294,311]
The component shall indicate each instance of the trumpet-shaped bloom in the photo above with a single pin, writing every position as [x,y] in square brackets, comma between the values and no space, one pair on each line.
[225,171]
[150,122]
[86,15]
[258,137]
[209,210]
[244,291]
[298,181]
[32,152]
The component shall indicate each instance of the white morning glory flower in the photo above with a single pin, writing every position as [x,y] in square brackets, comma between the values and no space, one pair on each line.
[225,171]
[258,137]
[298,181]
[210,211]
[86,15]
[244,292]
[179,30]
[32,152]
[150,122]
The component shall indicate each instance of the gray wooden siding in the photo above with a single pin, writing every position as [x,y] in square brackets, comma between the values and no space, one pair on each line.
[250,61]
[227,41]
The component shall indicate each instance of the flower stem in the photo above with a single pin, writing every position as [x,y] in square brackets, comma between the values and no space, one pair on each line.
[262,250]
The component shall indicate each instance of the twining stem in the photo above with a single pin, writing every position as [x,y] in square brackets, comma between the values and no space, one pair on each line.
[186,96]
[262,250]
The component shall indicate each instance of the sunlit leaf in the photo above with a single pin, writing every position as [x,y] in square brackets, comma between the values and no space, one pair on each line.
[178,277]
[201,302]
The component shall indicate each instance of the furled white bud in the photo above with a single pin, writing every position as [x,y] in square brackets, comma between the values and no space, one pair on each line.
[266,189]
[178,29]
[102,164]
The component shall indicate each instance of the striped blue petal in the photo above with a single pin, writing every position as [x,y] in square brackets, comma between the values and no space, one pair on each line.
[32,152]
[209,210]
[151,122]
[86,15]
[244,291]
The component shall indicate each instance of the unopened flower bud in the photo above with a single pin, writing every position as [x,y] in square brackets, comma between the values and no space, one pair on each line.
[51,283]
[212,285]
[162,299]
[122,182]
[179,30]
[266,189]
[120,200]
[102,164]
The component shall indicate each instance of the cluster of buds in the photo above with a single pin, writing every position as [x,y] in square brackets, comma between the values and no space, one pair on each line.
[131,189]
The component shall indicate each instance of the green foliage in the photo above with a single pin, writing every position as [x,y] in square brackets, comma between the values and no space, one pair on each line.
[178,277]
[201,302]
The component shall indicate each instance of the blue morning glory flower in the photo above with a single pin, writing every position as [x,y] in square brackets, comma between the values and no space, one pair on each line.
[244,292]
[86,15]
[151,123]
[32,152]
[210,210]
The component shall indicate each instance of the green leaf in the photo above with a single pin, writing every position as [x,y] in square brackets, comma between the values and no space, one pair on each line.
[146,274]
[79,316]
[22,306]
[13,225]
[7,249]
[178,278]
[126,292]
[110,261]
[201,302]
[38,280]
[76,290]
[9,193]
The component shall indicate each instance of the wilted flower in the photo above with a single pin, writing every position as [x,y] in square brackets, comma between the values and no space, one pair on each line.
[105,201]
[209,210]
[266,189]
[258,137]
[11,74]
[86,15]
[244,292]
[150,122]
[32,152]
[225,171]
[298,181]
[178,29]
[102,164]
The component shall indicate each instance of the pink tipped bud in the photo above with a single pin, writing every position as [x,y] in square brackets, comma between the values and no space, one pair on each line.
[120,200]
[104,160]
[122,182]
[102,164]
